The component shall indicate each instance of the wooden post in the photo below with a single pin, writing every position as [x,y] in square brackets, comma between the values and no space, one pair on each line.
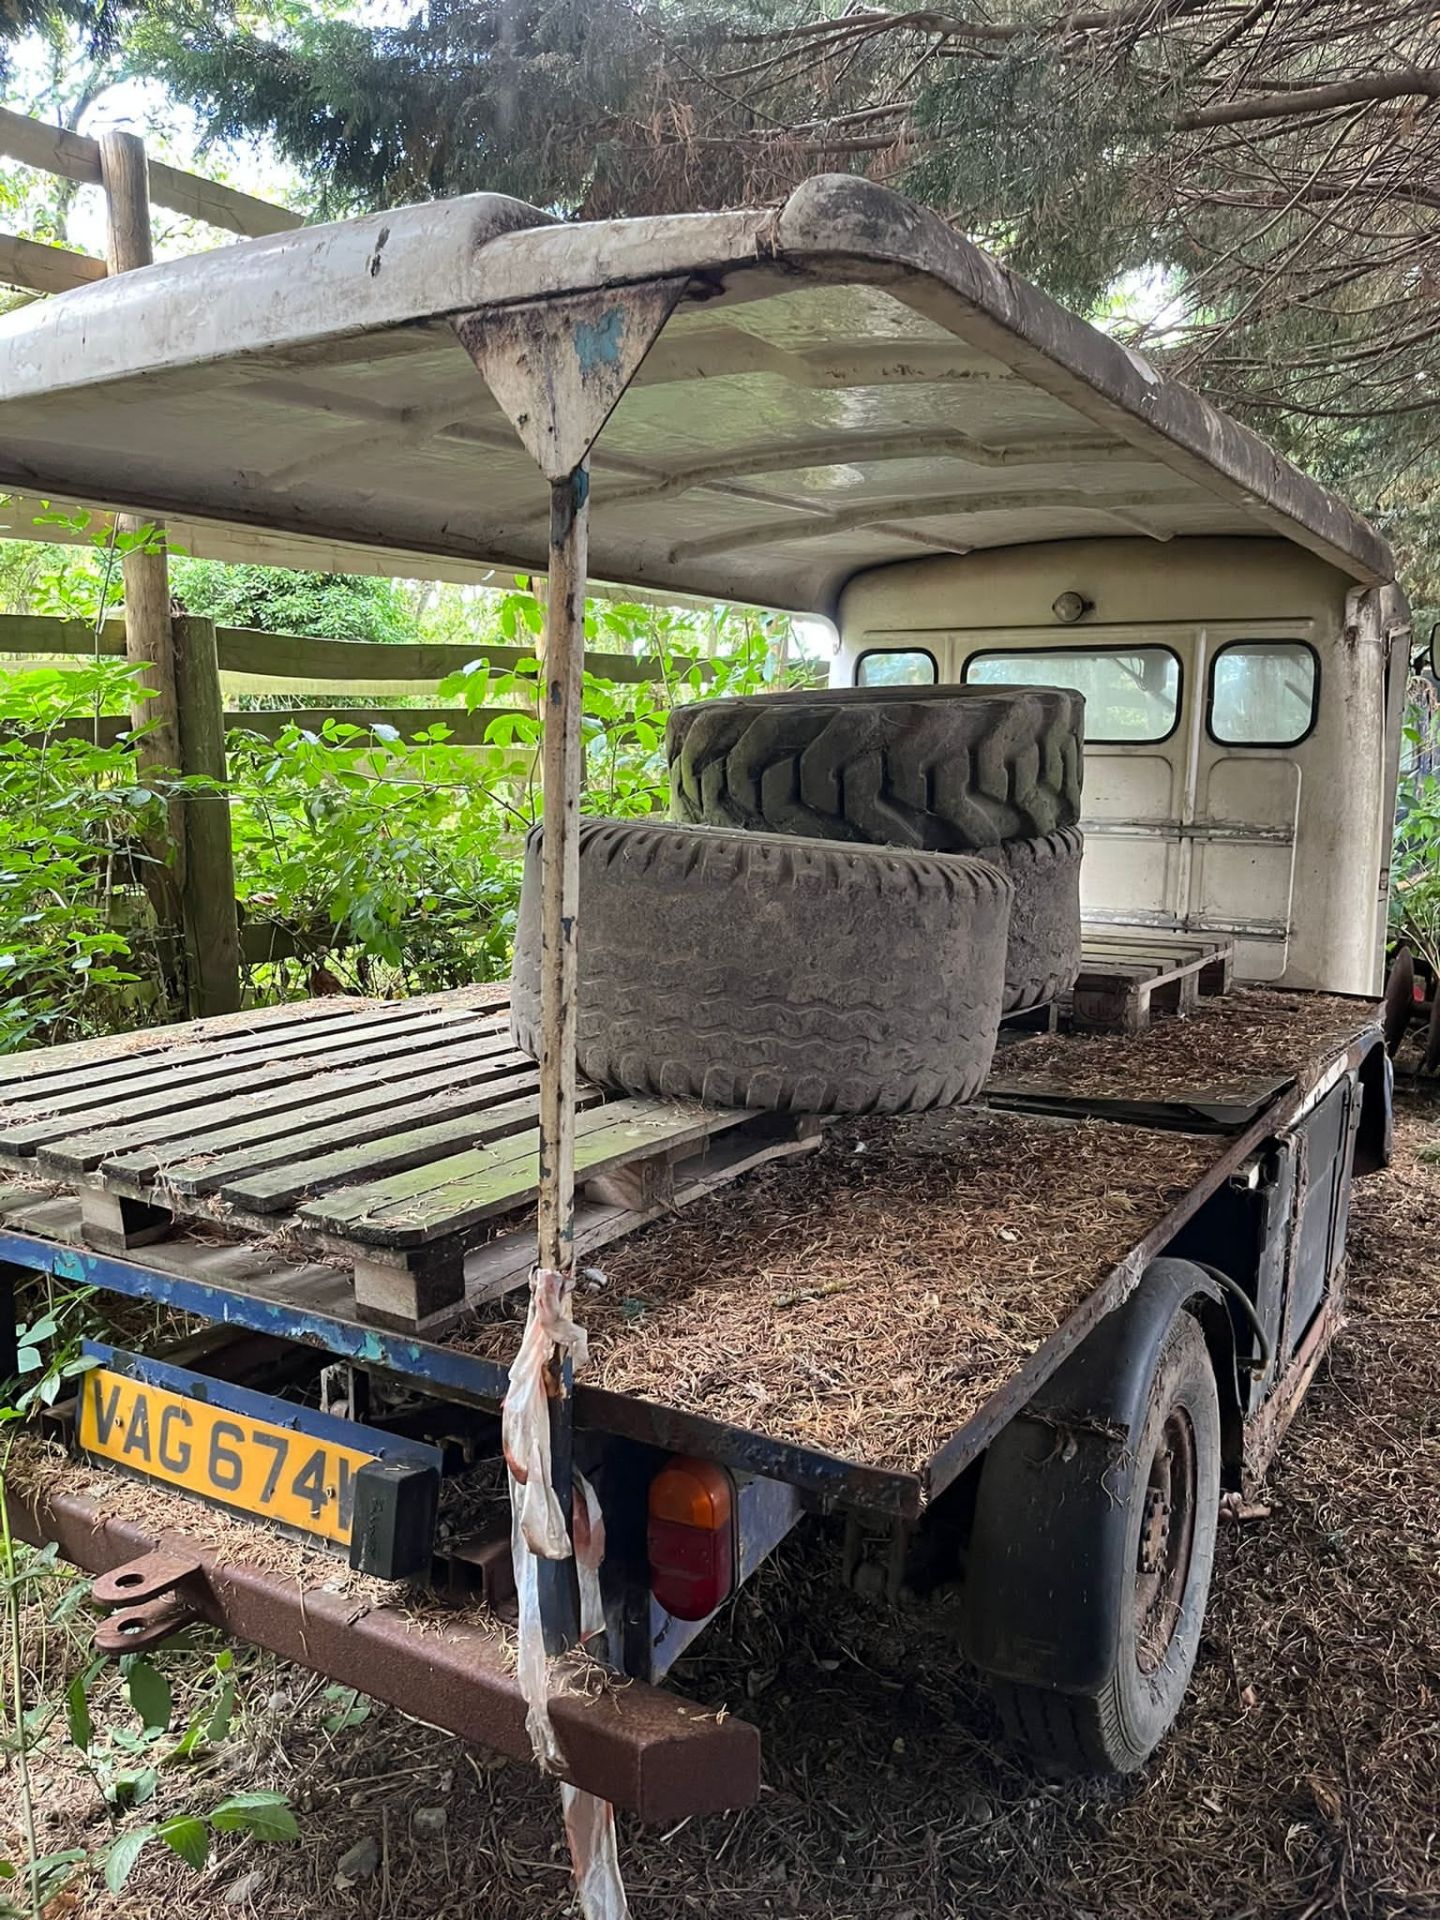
[564,667]
[144,569]
[147,575]
[212,931]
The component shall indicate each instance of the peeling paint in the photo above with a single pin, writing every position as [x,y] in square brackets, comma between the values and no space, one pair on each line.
[598,342]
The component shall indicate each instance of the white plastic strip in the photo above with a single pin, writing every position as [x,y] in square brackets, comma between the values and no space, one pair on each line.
[537,1528]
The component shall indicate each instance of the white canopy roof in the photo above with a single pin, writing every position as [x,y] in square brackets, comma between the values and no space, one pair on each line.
[844,383]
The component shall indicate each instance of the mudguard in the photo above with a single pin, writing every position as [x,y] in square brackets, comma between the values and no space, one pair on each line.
[1048,1557]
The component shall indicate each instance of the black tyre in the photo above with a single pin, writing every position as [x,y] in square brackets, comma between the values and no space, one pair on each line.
[758,970]
[1042,956]
[939,769]
[1115,1546]
[1399,1001]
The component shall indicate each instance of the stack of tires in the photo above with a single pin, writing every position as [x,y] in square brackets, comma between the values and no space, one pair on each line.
[989,771]
[855,886]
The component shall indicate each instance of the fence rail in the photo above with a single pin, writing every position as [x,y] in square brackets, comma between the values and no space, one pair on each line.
[75,156]
[223,660]
[363,666]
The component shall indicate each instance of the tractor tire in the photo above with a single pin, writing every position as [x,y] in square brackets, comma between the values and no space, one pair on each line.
[1042,958]
[759,970]
[938,769]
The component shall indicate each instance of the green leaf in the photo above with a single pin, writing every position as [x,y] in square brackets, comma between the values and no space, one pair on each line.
[188,1837]
[224,1712]
[133,1786]
[266,1815]
[150,1694]
[77,1713]
[120,1861]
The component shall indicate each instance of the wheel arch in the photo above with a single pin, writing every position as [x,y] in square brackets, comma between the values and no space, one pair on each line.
[1034,1508]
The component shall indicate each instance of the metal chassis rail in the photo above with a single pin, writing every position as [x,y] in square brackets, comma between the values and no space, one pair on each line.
[640,1747]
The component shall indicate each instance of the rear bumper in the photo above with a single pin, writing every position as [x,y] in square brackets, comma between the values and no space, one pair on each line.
[644,1749]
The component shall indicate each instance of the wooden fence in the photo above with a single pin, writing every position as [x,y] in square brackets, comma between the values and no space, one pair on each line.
[41,268]
[190,874]
[252,661]
[215,663]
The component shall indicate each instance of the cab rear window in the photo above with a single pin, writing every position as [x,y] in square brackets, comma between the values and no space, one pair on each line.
[896,667]
[1262,693]
[1132,694]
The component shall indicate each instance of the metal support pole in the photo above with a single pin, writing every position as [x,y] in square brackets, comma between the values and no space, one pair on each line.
[564,667]
[557,369]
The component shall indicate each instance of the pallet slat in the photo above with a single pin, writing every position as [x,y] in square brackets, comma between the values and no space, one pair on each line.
[194,1086]
[45,1064]
[83,1086]
[397,1151]
[166,1145]
[450,1196]
[369,1119]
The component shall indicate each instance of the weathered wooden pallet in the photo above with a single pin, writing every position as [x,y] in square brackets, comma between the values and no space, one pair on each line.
[1126,978]
[396,1140]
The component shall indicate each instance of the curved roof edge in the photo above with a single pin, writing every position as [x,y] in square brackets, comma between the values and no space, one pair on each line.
[287,293]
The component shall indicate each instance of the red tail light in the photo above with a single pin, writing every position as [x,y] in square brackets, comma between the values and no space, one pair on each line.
[691,1537]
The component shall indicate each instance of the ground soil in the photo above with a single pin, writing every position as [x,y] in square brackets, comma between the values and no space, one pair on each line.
[1302,1781]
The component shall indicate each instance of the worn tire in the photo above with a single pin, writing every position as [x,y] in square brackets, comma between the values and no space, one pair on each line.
[939,769]
[760,970]
[1098,1508]
[1042,956]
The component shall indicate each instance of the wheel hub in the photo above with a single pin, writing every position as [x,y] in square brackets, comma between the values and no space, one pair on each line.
[1154,1531]
[1167,1531]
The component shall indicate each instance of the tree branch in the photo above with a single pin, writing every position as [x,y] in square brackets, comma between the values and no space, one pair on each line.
[1422,82]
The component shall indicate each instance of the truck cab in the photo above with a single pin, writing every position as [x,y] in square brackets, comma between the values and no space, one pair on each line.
[1234,689]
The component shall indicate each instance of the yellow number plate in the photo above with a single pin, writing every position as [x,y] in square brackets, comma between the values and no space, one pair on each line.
[228,1458]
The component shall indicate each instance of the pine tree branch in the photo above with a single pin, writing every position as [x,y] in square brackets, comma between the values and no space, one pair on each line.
[1417,82]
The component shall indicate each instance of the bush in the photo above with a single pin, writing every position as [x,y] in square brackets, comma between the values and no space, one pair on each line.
[392,862]
[78,950]
[328,606]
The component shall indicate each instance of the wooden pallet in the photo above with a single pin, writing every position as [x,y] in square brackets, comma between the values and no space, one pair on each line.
[1126,977]
[398,1139]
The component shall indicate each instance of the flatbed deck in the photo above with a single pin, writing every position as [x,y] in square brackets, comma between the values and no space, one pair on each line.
[386,1140]
[860,1326]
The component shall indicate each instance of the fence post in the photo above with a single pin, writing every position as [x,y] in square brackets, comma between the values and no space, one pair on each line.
[147,575]
[145,570]
[207,899]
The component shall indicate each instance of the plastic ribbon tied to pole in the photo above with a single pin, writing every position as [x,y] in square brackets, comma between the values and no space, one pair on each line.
[538,1530]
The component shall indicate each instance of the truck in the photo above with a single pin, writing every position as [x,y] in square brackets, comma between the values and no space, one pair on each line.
[1027,1347]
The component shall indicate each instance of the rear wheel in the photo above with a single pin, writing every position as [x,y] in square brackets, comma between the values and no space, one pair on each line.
[1147,1536]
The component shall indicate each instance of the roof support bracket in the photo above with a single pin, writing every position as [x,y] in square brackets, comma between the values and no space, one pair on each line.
[558,366]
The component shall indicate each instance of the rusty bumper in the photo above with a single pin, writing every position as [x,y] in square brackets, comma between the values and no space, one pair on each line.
[644,1749]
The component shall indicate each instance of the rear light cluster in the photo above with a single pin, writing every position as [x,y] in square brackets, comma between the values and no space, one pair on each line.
[691,1537]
